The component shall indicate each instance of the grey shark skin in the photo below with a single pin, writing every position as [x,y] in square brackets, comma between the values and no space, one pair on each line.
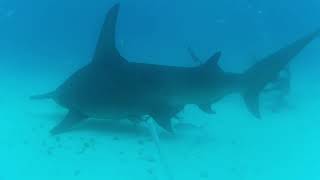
[107,88]
[111,87]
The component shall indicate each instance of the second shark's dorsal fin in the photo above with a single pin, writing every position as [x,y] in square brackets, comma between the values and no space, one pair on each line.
[106,50]
[194,57]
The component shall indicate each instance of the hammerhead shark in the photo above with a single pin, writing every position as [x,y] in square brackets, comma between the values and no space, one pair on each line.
[110,87]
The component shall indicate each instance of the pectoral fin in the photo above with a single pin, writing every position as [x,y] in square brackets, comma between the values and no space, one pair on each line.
[206,108]
[163,121]
[163,115]
[71,119]
[251,99]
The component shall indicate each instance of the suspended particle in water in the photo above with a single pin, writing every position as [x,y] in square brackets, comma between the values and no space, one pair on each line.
[141,142]
[86,145]
[50,151]
[140,152]
[149,159]
[25,142]
[204,174]
[234,142]
[150,171]
[58,139]
[76,172]
[220,21]
[44,143]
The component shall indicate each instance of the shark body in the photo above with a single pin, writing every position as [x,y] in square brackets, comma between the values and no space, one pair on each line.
[114,88]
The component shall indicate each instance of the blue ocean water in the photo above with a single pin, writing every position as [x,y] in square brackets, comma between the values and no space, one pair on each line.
[43,42]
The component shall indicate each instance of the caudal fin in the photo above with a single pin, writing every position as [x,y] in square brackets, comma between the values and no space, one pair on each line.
[257,77]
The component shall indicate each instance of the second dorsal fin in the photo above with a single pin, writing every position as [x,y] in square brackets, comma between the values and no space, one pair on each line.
[211,64]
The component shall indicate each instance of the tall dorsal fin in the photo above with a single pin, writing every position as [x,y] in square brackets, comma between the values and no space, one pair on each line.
[106,50]
[212,63]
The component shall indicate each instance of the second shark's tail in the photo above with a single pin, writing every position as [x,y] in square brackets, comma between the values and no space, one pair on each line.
[268,69]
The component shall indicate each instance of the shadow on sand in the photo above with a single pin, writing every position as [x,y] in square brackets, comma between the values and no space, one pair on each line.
[104,127]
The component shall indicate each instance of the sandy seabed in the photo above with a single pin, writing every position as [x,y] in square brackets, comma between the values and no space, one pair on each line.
[231,144]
